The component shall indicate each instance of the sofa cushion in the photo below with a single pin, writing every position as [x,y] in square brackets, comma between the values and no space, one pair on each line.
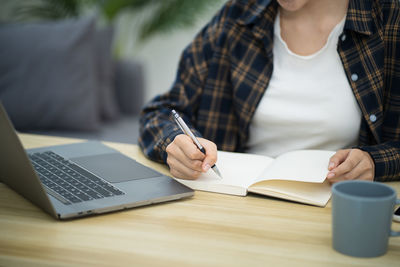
[106,68]
[49,75]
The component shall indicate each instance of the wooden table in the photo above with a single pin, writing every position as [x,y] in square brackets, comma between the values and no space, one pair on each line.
[207,229]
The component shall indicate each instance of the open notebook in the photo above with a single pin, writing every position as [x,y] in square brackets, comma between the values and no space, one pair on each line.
[297,176]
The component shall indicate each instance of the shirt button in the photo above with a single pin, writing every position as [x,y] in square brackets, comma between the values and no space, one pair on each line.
[372,118]
[343,38]
[354,77]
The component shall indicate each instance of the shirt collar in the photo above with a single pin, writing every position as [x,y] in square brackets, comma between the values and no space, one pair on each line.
[254,12]
[359,17]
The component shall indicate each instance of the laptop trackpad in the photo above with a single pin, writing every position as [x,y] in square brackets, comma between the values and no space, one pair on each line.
[115,167]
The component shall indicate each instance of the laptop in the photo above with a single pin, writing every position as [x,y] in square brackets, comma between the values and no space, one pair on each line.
[75,180]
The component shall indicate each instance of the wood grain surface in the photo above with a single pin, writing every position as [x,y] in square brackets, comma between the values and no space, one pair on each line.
[206,230]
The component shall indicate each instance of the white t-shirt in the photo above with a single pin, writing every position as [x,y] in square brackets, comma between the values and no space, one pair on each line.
[308,104]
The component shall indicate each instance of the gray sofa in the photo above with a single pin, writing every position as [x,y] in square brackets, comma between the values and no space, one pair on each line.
[60,78]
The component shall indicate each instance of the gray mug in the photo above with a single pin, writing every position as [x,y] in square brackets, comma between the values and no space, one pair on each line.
[362,217]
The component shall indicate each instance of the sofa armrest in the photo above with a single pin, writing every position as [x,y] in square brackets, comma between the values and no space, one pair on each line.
[129,86]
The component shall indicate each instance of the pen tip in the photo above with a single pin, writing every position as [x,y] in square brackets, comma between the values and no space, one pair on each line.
[217,171]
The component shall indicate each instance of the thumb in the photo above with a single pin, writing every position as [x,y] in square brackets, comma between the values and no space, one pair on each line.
[338,158]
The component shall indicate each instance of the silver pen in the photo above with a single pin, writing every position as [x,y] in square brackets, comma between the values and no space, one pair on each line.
[185,129]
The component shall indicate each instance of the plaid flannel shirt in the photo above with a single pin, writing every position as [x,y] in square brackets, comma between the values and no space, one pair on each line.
[223,73]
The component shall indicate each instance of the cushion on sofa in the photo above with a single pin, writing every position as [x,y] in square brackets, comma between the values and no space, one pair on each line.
[52,75]
[106,68]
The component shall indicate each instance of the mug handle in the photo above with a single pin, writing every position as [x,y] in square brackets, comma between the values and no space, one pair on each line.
[394,233]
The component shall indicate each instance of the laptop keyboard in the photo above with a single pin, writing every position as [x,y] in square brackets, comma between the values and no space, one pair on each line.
[68,182]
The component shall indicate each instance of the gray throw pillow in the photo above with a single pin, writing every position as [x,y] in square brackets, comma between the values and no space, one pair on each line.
[107,96]
[49,75]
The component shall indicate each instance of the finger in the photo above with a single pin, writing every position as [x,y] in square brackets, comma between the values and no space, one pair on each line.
[364,170]
[174,151]
[338,158]
[353,174]
[211,154]
[364,176]
[179,170]
[177,174]
[193,164]
[186,144]
[352,159]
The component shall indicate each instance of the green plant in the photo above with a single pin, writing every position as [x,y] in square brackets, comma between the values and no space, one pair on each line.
[48,9]
[163,15]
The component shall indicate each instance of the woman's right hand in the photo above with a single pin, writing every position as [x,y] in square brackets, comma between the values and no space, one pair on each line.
[186,161]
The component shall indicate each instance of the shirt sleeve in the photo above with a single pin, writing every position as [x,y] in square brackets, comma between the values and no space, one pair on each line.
[386,154]
[386,157]
[157,127]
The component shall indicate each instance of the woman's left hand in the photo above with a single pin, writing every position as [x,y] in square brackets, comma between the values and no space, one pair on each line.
[351,164]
